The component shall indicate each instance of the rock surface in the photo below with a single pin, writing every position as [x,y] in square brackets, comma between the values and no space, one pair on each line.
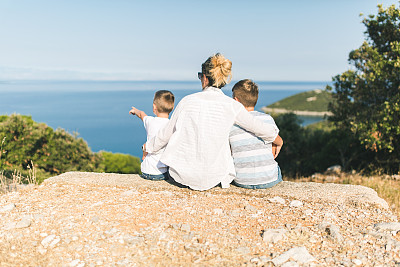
[91,219]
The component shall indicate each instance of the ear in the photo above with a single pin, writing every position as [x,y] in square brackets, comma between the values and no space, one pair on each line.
[154,109]
[236,99]
[206,81]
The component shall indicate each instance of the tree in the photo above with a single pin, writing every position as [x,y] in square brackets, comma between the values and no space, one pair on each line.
[366,98]
[290,157]
[53,152]
[25,142]
[314,148]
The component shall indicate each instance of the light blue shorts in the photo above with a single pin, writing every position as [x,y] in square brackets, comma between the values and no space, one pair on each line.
[262,186]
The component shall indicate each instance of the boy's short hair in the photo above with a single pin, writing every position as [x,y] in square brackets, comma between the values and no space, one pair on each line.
[164,101]
[246,91]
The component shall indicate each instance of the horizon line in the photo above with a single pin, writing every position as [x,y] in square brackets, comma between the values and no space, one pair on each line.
[124,80]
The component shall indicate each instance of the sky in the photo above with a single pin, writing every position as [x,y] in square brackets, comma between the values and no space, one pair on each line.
[306,40]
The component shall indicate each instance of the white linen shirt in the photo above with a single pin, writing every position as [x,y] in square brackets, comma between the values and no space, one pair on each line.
[197,138]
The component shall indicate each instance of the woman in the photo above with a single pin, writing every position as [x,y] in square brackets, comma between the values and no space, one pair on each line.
[196,139]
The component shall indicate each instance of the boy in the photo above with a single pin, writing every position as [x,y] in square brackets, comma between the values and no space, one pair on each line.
[163,104]
[254,159]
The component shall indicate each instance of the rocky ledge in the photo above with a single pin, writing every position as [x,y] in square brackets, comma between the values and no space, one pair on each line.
[92,219]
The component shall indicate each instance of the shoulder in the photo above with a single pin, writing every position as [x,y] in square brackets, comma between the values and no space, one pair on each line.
[148,119]
[262,116]
[208,95]
[161,120]
[188,99]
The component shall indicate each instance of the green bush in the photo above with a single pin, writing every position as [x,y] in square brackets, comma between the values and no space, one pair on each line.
[51,151]
[120,163]
[312,149]
[26,142]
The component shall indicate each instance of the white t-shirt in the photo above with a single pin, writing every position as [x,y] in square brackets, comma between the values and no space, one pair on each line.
[196,139]
[151,163]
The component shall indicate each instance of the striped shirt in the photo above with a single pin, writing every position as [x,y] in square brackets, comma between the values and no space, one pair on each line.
[252,156]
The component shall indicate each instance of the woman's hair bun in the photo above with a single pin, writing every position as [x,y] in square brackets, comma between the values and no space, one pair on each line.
[218,70]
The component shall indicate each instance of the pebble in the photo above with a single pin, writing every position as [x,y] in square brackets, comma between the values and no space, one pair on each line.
[250,208]
[185,228]
[290,264]
[277,200]
[7,208]
[308,212]
[218,211]
[255,260]
[388,226]
[264,259]
[24,222]
[273,235]
[296,204]
[332,230]
[357,262]
[42,250]
[50,241]
[298,254]
[75,263]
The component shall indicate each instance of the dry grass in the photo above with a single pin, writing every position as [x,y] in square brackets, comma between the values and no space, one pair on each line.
[7,185]
[387,187]
[17,179]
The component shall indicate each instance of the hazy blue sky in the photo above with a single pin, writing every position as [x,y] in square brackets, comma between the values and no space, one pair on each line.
[168,40]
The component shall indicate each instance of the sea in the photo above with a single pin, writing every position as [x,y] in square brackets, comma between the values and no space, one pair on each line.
[98,111]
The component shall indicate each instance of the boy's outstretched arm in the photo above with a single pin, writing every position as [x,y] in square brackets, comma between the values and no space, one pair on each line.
[277,145]
[137,112]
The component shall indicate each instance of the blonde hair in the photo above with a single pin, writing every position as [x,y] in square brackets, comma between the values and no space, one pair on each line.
[246,91]
[164,101]
[218,70]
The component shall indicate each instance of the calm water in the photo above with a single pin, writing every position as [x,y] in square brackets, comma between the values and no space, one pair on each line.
[98,111]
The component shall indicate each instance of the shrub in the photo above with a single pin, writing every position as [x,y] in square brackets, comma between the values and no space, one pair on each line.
[52,151]
[120,163]
[312,149]
[25,142]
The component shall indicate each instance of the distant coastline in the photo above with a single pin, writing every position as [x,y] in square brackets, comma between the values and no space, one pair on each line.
[297,112]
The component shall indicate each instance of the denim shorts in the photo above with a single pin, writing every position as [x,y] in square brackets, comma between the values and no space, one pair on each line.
[155,177]
[262,186]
